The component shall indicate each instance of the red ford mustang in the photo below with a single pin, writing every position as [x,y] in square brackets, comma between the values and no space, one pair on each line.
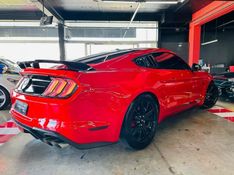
[93,100]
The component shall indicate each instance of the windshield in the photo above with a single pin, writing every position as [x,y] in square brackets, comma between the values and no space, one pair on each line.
[226,74]
[229,75]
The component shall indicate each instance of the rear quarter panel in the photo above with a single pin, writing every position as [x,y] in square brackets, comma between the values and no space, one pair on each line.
[110,93]
[107,95]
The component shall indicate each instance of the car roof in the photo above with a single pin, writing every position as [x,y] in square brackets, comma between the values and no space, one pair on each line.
[104,56]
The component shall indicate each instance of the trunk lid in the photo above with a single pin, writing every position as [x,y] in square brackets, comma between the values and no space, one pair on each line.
[37,80]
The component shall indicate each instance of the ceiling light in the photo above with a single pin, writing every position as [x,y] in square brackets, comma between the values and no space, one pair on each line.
[143,1]
[209,42]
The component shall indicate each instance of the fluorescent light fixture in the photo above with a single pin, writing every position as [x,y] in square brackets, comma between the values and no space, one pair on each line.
[21,24]
[142,1]
[209,42]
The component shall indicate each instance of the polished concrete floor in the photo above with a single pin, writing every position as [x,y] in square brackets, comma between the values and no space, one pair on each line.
[195,142]
[226,104]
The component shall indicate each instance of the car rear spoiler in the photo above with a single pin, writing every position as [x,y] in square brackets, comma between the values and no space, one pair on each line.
[73,66]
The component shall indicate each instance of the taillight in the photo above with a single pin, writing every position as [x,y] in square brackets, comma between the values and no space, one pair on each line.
[60,88]
[71,85]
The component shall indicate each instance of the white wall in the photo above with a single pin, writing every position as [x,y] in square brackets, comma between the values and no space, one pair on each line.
[31,48]
[29,51]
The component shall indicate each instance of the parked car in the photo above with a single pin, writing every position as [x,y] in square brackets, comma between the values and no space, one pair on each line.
[94,99]
[3,68]
[225,84]
[9,76]
[12,67]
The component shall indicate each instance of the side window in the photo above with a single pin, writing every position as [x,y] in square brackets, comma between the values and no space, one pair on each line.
[166,60]
[144,61]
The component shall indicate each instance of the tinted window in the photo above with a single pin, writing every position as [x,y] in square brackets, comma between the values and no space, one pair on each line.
[144,61]
[98,58]
[169,61]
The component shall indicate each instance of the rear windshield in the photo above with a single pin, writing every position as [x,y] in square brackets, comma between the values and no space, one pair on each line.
[102,57]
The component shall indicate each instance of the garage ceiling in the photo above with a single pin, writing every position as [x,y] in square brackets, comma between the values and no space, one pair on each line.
[100,6]
[17,5]
[99,10]
[18,10]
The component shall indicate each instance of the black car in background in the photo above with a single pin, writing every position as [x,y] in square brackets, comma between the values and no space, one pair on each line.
[225,84]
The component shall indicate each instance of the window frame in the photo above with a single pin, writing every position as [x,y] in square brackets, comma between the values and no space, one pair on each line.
[158,65]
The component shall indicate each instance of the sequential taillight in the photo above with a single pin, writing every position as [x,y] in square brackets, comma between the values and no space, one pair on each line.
[71,85]
[60,88]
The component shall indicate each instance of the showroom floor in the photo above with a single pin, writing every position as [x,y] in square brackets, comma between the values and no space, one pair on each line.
[194,142]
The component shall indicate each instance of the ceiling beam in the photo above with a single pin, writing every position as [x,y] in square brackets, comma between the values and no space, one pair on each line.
[49,10]
[112,24]
[109,16]
[10,15]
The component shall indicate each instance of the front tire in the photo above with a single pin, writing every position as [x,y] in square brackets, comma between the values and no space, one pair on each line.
[4,98]
[212,95]
[140,122]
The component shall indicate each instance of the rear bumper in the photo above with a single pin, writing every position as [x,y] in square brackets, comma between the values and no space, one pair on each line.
[79,132]
[81,118]
[54,139]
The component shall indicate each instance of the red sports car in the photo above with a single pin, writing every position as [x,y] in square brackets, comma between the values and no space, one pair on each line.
[95,99]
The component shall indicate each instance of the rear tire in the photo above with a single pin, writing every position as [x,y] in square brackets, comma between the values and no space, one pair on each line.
[141,121]
[4,98]
[212,95]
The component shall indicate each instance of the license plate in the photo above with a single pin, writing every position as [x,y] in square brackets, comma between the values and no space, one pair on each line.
[21,107]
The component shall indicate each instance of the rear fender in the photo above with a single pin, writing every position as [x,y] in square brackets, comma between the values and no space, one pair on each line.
[131,100]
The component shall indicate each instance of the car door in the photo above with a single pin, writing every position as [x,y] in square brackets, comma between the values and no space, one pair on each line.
[176,79]
[193,85]
[191,81]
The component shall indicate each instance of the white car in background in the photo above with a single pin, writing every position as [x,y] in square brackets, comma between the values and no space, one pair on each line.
[9,76]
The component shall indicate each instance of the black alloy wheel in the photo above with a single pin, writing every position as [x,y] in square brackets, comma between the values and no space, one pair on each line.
[4,98]
[212,95]
[141,122]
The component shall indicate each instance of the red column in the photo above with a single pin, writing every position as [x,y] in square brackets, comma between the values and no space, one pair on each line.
[194,43]
[210,12]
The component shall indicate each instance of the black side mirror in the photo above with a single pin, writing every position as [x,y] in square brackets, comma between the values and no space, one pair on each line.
[196,67]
